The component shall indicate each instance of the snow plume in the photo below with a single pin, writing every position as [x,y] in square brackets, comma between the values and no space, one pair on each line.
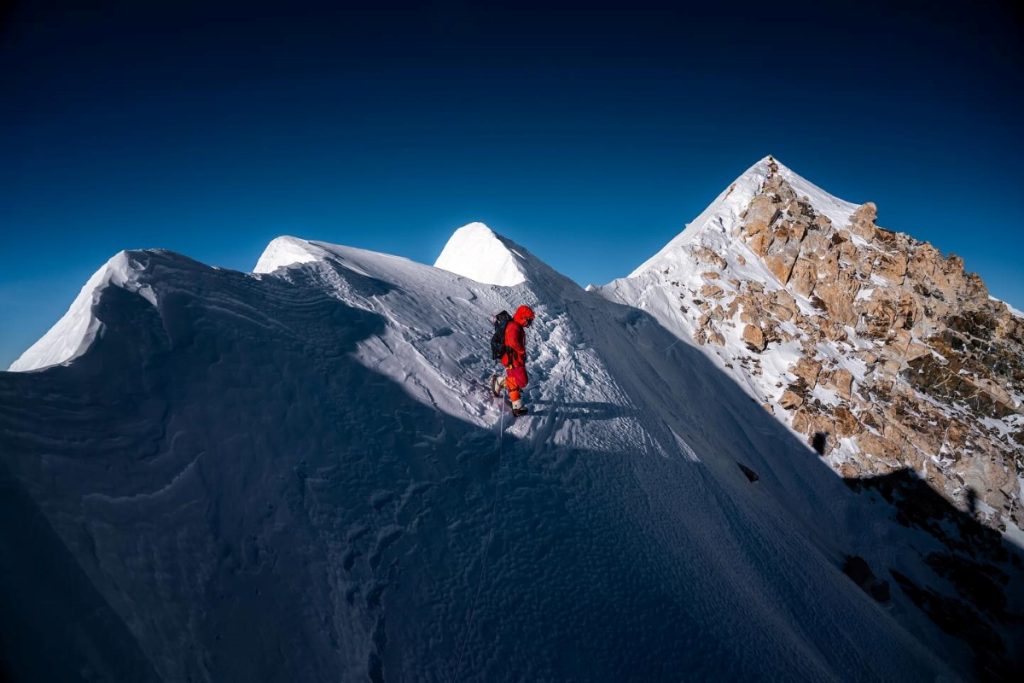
[299,474]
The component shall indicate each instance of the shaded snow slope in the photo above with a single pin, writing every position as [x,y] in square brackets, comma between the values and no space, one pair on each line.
[474,251]
[298,474]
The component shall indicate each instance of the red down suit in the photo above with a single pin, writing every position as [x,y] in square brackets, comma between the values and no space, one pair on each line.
[514,359]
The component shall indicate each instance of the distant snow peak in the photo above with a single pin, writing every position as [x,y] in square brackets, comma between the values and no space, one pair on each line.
[75,331]
[476,252]
[287,251]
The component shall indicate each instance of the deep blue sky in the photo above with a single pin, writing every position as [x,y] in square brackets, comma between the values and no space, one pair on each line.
[588,135]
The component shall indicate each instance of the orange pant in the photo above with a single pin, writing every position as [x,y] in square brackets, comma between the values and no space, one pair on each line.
[515,379]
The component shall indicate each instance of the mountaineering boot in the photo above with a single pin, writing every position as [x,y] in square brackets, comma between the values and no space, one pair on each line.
[497,385]
[518,408]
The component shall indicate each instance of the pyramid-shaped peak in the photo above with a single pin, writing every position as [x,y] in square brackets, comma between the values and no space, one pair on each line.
[477,252]
[717,224]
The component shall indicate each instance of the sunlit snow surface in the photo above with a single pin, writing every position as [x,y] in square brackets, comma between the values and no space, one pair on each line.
[717,224]
[298,474]
[474,251]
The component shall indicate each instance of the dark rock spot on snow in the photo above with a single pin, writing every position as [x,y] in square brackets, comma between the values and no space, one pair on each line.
[750,474]
[819,441]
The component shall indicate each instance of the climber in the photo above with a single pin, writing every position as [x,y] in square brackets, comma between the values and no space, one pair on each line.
[512,355]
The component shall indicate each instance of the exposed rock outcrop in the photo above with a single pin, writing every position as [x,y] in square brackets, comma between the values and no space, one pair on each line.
[938,355]
[902,358]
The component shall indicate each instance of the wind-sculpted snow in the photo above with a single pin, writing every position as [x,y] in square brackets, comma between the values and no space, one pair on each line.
[298,475]
[77,329]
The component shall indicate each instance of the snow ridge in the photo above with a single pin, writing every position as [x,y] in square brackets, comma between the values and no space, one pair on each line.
[72,335]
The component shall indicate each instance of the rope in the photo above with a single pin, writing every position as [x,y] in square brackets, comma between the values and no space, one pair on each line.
[485,563]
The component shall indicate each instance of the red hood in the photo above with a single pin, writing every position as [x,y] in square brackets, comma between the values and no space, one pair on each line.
[523,315]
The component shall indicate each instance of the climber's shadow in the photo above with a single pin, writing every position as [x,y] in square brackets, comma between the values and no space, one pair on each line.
[582,410]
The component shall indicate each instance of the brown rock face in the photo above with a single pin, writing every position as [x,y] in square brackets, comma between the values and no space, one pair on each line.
[938,359]
[754,338]
[711,291]
[838,297]
[781,266]
[862,222]
[762,212]
[902,360]
[892,267]
[790,400]
[842,381]
[705,255]
[807,370]
[884,452]
[845,421]
[804,277]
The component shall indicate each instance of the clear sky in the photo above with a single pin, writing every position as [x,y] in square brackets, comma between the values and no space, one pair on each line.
[589,134]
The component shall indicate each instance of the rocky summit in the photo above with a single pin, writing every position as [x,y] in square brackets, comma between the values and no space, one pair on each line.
[880,351]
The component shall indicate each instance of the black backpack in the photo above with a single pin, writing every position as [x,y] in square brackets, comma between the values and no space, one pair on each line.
[501,321]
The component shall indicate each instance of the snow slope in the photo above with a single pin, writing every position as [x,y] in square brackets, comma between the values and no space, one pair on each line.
[296,474]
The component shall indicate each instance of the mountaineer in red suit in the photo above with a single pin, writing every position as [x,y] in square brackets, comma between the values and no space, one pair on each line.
[514,360]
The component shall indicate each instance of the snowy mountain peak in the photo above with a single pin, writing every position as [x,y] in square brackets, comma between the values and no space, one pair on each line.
[718,225]
[74,332]
[477,252]
[864,341]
